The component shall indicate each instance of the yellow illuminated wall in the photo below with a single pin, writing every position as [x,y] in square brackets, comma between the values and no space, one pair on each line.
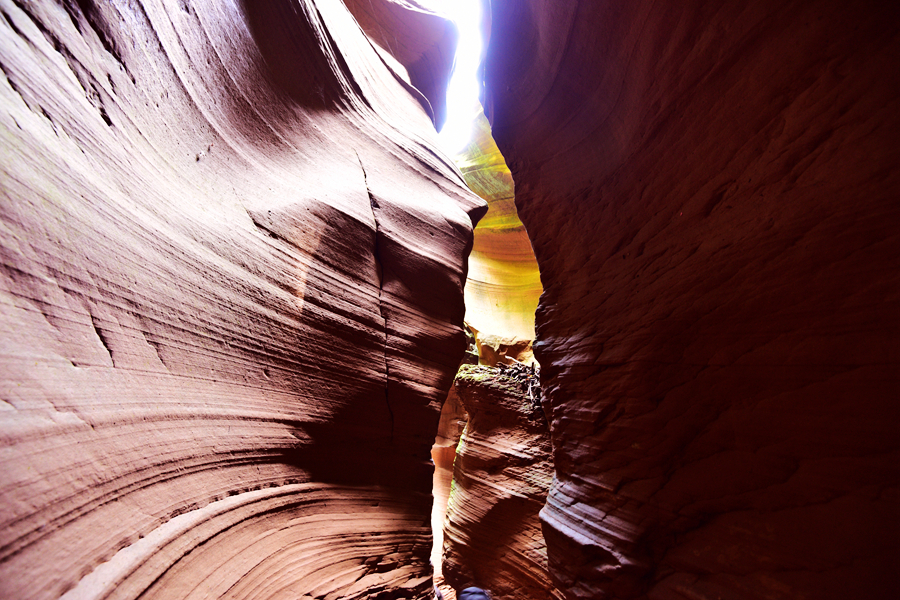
[504,285]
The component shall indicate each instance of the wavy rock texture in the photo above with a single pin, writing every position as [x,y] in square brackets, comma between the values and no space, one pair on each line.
[711,192]
[232,269]
[503,469]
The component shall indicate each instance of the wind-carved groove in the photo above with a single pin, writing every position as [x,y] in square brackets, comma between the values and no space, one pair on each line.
[96,323]
[157,346]
[98,23]
[379,268]
[93,90]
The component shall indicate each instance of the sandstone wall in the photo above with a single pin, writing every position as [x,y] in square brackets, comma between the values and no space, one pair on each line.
[711,190]
[502,471]
[231,279]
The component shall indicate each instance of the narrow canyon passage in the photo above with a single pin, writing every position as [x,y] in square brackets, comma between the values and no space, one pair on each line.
[493,467]
[238,270]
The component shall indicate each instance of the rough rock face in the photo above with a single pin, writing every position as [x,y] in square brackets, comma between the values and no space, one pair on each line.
[711,190]
[503,469]
[231,279]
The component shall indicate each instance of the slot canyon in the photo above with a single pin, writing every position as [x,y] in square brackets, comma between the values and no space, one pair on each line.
[264,338]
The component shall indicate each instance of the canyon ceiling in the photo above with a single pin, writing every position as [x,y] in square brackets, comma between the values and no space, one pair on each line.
[232,261]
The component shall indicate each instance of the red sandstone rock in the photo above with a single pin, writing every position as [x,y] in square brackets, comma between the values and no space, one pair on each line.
[503,469]
[231,277]
[711,190]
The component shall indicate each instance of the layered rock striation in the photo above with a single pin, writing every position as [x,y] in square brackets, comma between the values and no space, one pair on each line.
[502,471]
[711,194]
[231,279]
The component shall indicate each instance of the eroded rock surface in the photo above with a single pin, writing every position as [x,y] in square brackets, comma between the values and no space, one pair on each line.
[231,280]
[503,469]
[711,192]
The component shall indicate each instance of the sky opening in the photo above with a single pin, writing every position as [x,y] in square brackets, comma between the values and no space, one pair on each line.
[464,89]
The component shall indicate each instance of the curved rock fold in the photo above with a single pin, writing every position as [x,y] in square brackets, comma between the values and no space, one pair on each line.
[221,368]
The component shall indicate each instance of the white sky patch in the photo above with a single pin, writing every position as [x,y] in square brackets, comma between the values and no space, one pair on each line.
[463,90]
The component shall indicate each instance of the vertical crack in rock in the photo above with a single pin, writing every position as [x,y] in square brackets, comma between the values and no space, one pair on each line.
[379,267]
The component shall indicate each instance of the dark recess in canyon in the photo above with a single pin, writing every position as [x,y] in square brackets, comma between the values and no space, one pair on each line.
[713,196]
[232,261]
